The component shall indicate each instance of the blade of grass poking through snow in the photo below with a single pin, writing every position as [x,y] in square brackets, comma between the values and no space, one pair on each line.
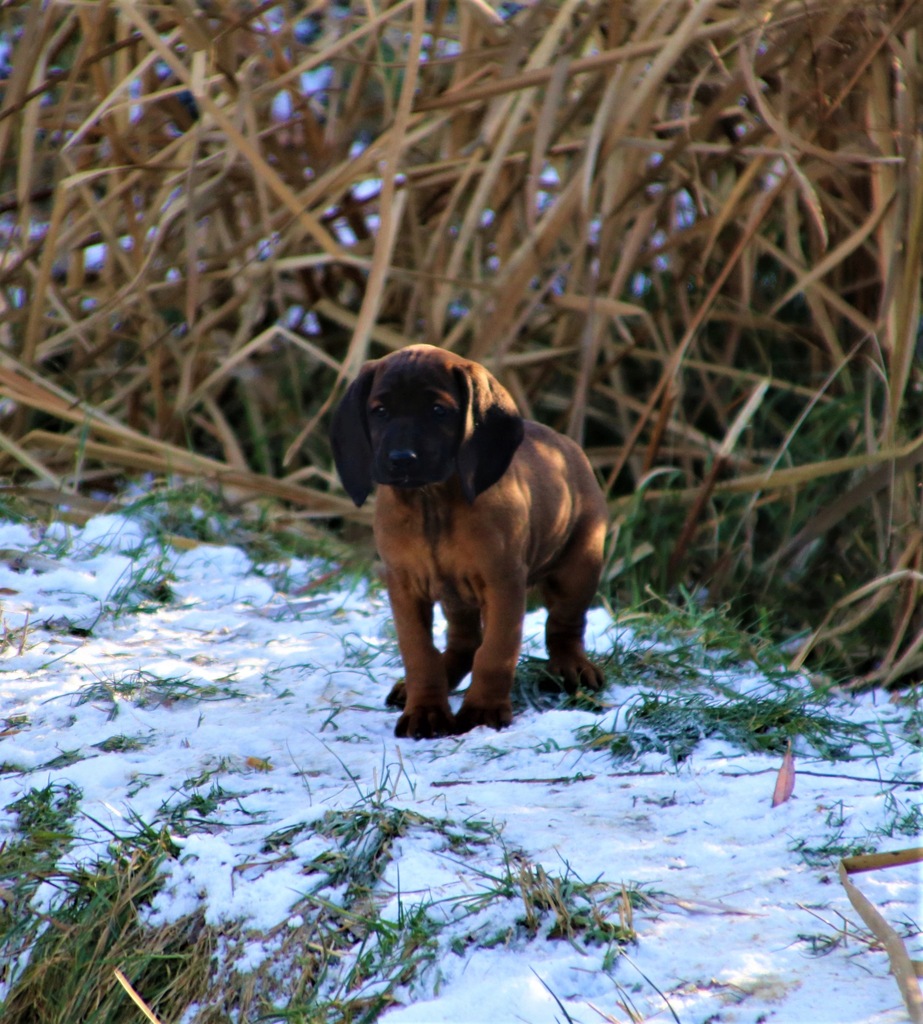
[554,996]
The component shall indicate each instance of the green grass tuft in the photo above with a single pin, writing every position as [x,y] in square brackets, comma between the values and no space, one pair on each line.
[675,723]
[95,925]
[145,689]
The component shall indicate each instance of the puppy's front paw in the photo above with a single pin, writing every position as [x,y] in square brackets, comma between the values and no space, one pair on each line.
[497,716]
[425,722]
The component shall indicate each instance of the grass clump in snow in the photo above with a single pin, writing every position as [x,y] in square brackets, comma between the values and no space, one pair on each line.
[196,812]
[122,744]
[599,913]
[146,586]
[682,638]
[44,832]
[686,664]
[675,723]
[358,945]
[353,945]
[338,957]
[93,926]
[145,689]
[905,818]
[536,687]
[184,515]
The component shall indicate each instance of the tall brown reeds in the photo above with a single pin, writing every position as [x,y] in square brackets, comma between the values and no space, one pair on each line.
[687,232]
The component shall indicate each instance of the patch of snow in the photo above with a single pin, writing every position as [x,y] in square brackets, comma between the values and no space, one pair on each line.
[271,705]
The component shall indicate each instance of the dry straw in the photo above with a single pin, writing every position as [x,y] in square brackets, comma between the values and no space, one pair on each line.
[688,232]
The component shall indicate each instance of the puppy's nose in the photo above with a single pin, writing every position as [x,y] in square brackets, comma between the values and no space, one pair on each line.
[402,459]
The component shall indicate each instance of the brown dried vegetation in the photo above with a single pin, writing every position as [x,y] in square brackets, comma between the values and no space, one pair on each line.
[687,232]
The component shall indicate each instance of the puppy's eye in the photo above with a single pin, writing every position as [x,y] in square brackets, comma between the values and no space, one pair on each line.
[379,412]
[439,410]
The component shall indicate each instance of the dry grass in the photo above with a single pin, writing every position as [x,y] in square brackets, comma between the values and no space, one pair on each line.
[688,232]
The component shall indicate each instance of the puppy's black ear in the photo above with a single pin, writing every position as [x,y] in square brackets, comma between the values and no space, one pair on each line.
[493,430]
[349,437]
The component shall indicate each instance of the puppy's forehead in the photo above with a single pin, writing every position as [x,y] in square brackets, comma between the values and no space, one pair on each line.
[418,366]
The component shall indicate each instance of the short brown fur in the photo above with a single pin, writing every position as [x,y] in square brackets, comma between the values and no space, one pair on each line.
[474,506]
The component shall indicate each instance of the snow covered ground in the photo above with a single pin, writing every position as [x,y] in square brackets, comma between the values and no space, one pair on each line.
[256,696]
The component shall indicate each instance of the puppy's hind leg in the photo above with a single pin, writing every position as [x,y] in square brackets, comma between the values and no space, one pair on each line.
[568,592]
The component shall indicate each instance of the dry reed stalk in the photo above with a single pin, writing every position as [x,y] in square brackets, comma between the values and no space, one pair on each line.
[905,971]
[633,213]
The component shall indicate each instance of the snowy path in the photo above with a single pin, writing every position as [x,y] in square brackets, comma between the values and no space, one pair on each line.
[242,707]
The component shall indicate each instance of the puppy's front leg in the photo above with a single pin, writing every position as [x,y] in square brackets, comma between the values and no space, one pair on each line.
[487,701]
[426,709]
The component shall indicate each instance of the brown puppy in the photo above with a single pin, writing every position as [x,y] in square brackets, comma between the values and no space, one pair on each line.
[474,505]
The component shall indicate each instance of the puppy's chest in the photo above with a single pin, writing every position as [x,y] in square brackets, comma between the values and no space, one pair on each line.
[435,522]
[436,542]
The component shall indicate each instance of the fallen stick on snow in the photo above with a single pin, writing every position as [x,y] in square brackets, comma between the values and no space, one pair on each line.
[902,967]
